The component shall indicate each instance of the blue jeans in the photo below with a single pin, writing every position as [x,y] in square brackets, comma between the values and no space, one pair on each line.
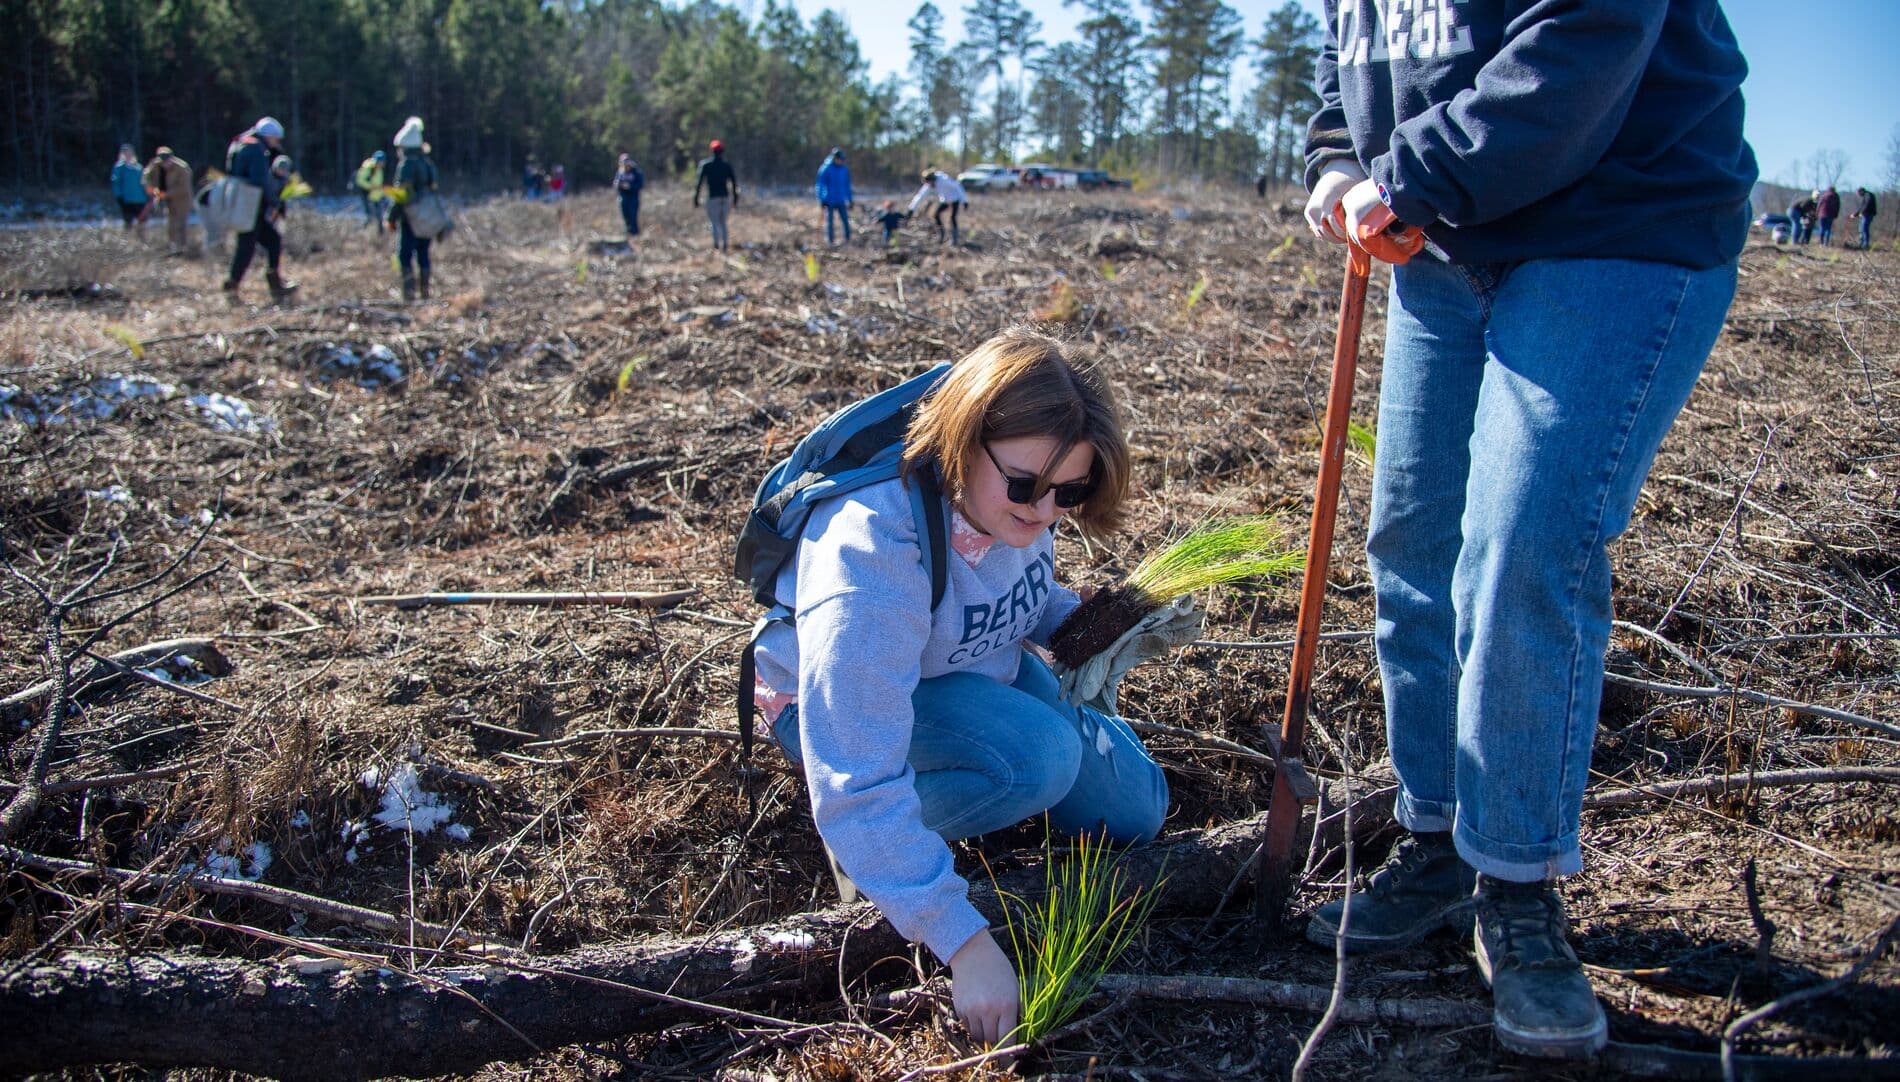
[1866,232]
[1826,226]
[1520,410]
[844,218]
[990,755]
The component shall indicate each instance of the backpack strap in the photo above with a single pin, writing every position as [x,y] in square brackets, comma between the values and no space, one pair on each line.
[933,542]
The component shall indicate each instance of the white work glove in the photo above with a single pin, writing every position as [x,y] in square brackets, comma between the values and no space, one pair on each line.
[1094,683]
[1338,176]
[1366,213]
[983,989]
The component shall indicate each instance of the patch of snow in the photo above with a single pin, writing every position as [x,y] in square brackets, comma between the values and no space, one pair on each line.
[248,865]
[100,399]
[408,806]
[301,820]
[110,494]
[797,941]
[374,366]
[228,414]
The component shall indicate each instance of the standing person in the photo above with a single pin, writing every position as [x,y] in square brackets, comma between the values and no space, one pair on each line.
[1826,209]
[917,725]
[415,174]
[949,196]
[531,180]
[628,182]
[249,160]
[369,186]
[1802,211]
[168,179]
[557,183]
[721,185]
[834,193]
[1533,364]
[128,187]
[1865,211]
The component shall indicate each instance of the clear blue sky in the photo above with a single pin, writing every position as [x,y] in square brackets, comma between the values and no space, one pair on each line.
[1822,75]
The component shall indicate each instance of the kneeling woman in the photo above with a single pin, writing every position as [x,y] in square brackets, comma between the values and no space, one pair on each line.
[915,726]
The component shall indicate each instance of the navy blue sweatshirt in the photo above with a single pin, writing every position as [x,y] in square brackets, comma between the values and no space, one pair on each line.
[1520,129]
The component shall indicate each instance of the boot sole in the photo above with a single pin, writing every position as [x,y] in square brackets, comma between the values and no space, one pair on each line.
[1458,916]
[1580,1043]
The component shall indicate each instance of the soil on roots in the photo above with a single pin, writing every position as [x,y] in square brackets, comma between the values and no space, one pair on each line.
[1095,624]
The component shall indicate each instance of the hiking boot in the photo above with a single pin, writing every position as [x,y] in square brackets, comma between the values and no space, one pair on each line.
[408,289]
[280,290]
[230,288]
[1542,1005]
[1422,887]
[847,890]
[422,285]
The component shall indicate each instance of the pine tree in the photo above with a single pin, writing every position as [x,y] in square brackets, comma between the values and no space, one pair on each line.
[1195,43]
[1284,97]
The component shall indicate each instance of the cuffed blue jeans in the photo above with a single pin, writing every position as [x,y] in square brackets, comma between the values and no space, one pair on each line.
[989,755]
[1519,411]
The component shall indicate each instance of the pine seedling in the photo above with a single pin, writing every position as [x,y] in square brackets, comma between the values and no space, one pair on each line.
[1215,553]
[1195,294]
[1087,918]
[129,340]
[1362,438]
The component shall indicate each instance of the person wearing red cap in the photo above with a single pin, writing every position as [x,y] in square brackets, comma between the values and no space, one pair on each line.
[722,191]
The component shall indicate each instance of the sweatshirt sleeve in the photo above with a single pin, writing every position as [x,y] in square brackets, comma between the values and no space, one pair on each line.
[918,199]
[863,622]
[1539,115]
[1062,602]
[1327,137]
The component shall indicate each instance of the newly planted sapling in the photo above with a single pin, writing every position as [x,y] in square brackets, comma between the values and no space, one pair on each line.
[1088,916]
[1212,554]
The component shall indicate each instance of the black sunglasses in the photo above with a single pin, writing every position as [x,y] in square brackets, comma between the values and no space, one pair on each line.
[1023,489]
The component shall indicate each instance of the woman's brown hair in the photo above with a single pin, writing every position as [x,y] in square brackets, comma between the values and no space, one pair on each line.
[1018,384]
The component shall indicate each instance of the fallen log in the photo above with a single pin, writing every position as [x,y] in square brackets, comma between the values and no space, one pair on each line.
[360,1021]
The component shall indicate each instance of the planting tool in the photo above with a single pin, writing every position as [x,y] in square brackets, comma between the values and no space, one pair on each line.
[1293,789]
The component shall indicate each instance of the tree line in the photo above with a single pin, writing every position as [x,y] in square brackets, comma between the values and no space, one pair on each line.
[579,81]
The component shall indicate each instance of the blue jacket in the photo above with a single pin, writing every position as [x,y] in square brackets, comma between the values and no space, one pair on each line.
[1519,129]
[834,184]
[128,183]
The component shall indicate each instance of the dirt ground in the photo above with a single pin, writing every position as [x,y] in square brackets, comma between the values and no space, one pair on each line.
[568,416]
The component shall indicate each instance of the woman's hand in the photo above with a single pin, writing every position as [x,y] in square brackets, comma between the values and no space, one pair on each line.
[983,988]
[1332,184]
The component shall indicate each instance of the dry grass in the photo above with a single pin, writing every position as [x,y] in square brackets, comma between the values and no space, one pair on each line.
[515,456]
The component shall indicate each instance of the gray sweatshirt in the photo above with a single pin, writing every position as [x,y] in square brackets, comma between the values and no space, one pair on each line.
[864,637]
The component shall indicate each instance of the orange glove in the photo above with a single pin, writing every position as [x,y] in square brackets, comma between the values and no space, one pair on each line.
[1383,238]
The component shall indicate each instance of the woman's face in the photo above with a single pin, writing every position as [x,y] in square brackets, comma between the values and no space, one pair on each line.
[986,501]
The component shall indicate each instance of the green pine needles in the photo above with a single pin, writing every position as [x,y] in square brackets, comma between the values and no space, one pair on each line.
[1216,553]
[1089,914]
[1362,438]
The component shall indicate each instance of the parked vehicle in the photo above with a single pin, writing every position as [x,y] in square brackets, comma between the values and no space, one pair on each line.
[989,177]
[1048,177]
[1092,179]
